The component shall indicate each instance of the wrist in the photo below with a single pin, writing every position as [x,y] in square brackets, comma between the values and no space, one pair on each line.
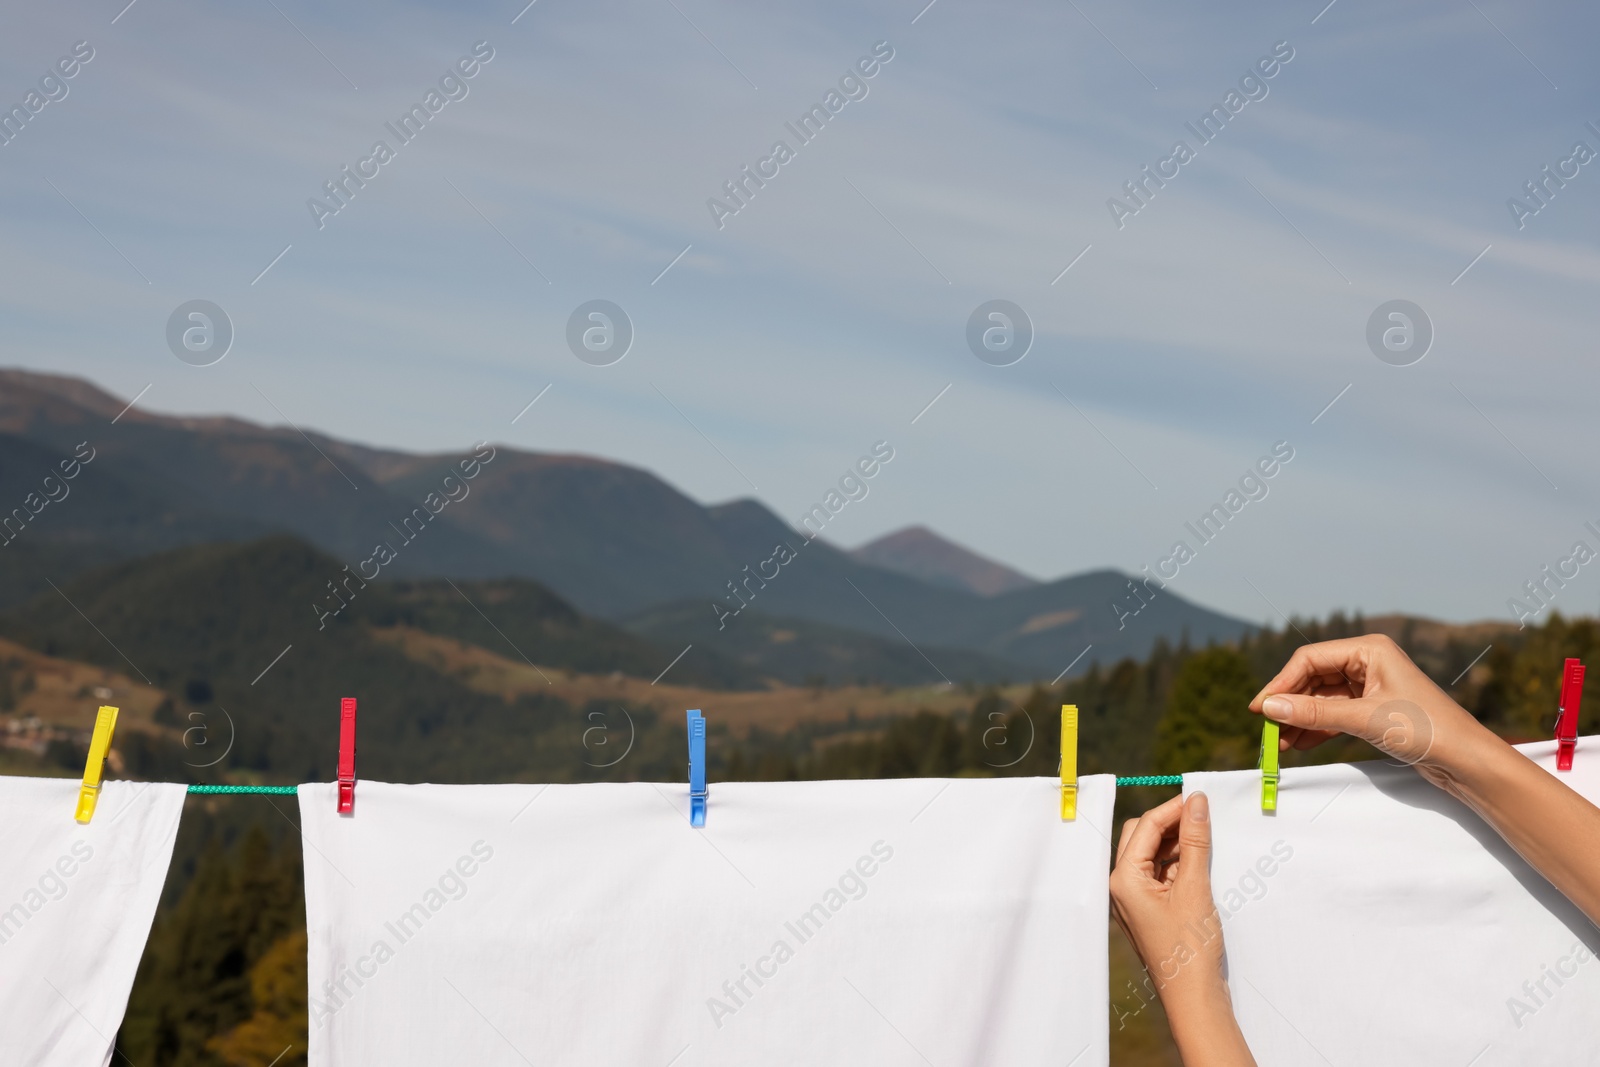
[1463,755]
[1195,992]
[1204,1027]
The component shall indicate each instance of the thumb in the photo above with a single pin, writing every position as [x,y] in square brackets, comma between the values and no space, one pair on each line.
[1337,715]
[1194,846]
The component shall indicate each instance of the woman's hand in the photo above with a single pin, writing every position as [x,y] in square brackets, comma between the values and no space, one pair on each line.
[1161,897]
[1368,688]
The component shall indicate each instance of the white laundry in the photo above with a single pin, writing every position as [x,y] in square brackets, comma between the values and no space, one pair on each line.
[824,923]
[1374,920]
[76,903]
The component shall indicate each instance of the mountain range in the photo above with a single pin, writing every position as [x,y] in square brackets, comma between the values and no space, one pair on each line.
[616,542]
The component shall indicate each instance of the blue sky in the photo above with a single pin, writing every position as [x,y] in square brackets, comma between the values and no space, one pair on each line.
[826,315]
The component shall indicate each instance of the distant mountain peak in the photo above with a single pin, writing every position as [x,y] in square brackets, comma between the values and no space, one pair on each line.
[920,553]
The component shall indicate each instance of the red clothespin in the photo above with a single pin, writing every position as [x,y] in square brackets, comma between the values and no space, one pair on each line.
[1567,721]
[347,756]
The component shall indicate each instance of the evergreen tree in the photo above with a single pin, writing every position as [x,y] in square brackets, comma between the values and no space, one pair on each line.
[275,1034]
[1208,725]
[193,982]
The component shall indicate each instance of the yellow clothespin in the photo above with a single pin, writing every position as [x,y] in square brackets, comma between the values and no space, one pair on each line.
[1269,766]
[105,723]
[1069,762]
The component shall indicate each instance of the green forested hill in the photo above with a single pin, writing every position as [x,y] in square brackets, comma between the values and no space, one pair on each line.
[801,652]
[205,622]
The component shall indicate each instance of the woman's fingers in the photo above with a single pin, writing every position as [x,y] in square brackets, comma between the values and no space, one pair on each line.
[1194,844]
[1307,739]
[1166,859]
[1327,663]
[1143,842]
[1127,832]
[1320,717]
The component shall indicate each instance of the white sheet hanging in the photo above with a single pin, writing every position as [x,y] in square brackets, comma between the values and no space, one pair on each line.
[1373,920]
[76,903]
[908,921]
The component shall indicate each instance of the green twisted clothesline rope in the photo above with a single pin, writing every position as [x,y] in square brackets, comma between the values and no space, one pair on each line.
[1138,779]
[280,789]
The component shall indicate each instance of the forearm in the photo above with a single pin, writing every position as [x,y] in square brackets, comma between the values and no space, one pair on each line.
[1204,1028]
[1553,828]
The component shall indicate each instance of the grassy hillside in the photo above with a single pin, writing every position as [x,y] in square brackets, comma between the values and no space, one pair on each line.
[801,652]
[522,619]
[232,627]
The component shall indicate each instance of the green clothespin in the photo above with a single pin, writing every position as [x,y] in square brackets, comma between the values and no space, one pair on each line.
[1269,766]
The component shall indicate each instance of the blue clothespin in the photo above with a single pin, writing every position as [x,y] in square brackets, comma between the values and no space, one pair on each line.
[697,768]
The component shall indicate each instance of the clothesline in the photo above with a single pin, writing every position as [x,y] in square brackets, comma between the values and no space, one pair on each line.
[105,724]
[1138,779]
[290,789]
